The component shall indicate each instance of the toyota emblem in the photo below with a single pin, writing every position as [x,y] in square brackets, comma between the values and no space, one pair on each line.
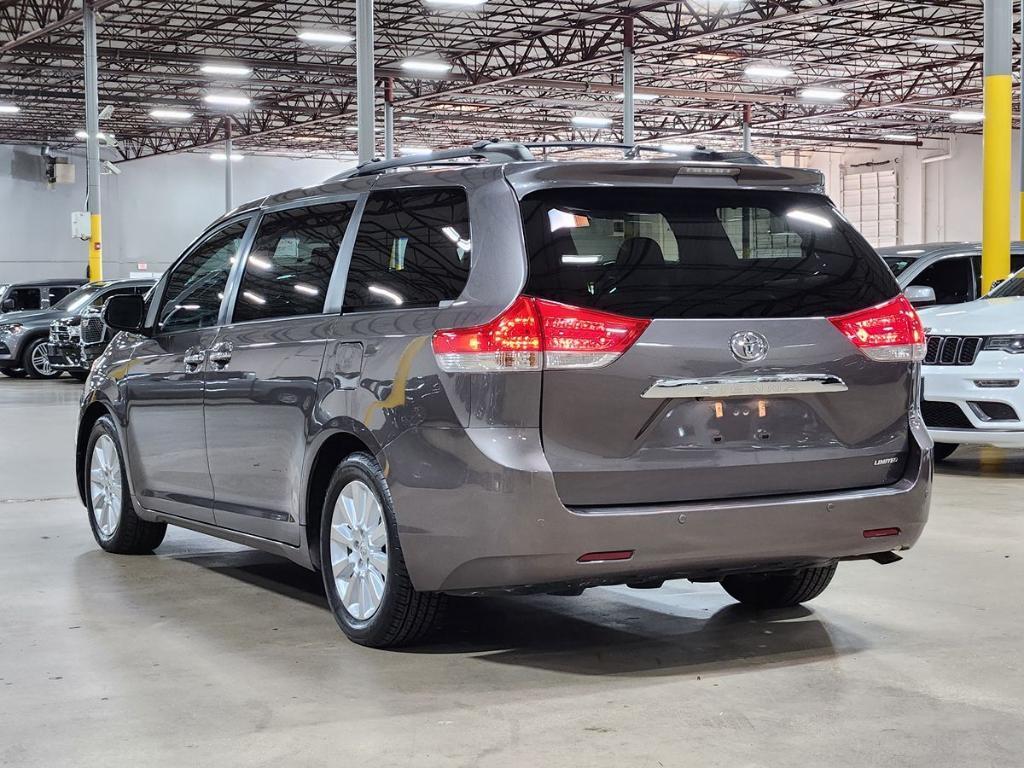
[749,347]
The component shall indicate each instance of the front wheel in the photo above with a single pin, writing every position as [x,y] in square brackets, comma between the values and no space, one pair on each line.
[944,450]
[779,589]
[13,373]
[112,517]
[37,362]
[368,587]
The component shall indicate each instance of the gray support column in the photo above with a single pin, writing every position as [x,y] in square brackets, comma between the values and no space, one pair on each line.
[228,162]
[389,119]
[365,80]
[92,141]
[746,128]
[628,86]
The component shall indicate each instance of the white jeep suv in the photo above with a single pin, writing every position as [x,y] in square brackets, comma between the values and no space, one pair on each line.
[974,370]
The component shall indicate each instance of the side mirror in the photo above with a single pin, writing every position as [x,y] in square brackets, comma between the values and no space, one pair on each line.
[7,306]
[125,313]
[920,295]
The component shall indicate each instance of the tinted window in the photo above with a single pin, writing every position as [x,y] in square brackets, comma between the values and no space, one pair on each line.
[56,293]
[951,279]
[898,264]
[1014,286]
[290,263]
[196,285]
[690,253]
[25,298]
[413,249]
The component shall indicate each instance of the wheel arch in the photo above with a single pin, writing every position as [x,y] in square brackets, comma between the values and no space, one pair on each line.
[90,415]
[331,451]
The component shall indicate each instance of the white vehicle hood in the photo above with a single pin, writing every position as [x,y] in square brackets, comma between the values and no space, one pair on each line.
[984,317]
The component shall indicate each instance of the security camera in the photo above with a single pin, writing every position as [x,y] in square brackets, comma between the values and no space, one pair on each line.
[111,168]
[106,112]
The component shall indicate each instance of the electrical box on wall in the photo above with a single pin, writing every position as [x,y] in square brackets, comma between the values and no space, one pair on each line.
[81,225]
[64,172]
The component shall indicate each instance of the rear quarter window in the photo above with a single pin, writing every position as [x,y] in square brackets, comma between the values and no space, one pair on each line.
[699,253]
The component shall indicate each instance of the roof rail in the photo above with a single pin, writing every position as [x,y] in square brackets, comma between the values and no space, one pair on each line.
[492,151]
[679,152]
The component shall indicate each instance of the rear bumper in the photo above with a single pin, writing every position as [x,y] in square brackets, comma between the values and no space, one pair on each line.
[477,511]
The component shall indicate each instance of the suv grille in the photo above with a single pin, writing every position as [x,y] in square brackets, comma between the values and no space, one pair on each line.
[59,333]
[953,350]
[939,415]
[92,330]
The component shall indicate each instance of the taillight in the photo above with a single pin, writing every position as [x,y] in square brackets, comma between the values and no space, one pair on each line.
[890,332]
[535,334]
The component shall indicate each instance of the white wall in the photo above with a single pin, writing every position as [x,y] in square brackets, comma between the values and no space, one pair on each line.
[150,212]
[939,201]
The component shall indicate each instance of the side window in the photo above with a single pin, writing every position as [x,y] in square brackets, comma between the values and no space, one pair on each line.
[196,285]
[951,279]
[58,292]
[291,261]
[1016,262]
[413,249]
[26,298]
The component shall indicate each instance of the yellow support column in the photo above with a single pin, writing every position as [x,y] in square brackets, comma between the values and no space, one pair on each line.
[998,156]
[95,248]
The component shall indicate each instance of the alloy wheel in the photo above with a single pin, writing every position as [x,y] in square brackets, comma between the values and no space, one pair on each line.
[41,361]
[359,550]
[105,485]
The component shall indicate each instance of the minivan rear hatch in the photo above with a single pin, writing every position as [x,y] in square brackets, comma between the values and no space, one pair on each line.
[743,381]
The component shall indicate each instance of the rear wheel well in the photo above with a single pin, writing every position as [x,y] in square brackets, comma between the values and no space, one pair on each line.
[90,416]
[334,451]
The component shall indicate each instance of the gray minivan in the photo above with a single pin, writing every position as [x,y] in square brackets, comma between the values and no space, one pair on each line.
[519,376]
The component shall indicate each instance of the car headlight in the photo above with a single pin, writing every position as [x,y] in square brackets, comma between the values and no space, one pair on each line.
[11,329]
[1012,344]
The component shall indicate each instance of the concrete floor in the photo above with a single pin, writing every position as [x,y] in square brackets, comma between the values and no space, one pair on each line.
[209,654]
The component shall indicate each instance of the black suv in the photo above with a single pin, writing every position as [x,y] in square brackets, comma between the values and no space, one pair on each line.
[25,335]
[36,294]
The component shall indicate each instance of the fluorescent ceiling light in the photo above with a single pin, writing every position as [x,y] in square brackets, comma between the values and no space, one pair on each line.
[309,290]
[170,114]
[408,119]
[581,259]
[589,121]
[324,36]
[101,135]
[678,147]
[352,128]
[221,157]
[255,298]
[967,116]
[822,94]
[227,100]
[232,70]
[455,3]
[912,252]
[428,66]
[900,137]
[9,109]
[767,72]
[639,97]
[414,151]
[946,41]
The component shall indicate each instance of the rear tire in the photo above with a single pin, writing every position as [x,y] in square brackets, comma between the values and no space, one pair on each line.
[115,526]
[367,584]
[13,373]
[944,450]
[35,361]
[779,589]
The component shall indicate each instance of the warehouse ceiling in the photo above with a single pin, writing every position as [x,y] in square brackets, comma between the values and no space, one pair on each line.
[517,70]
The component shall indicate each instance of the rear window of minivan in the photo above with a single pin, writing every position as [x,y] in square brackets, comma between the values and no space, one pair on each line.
[699,253]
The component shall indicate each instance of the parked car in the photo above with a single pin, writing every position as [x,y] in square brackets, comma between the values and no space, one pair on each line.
[35,294]
[951,270]
[25,335]
[79,337]
[974,369]
[519,376]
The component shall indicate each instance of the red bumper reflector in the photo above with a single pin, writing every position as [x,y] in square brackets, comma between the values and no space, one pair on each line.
[881,533]
[602,557]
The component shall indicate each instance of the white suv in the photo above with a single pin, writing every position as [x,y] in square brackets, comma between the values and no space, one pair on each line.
[974,371]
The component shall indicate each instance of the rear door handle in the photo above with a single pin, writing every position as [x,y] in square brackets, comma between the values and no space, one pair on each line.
[220,353]
[194,358]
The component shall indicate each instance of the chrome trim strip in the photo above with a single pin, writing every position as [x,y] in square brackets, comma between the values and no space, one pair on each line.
[741,386]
